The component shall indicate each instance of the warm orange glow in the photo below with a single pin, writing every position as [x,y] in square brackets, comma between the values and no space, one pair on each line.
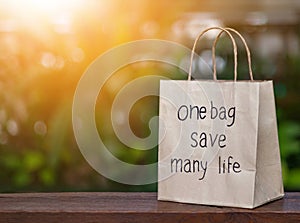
[45,7]
[46,45]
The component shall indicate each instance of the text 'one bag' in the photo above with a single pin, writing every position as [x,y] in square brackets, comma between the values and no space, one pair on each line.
[218,140]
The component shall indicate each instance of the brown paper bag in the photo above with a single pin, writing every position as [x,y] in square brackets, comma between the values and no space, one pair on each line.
[218,141]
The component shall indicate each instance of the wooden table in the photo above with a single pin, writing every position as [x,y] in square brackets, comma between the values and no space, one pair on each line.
[134,207]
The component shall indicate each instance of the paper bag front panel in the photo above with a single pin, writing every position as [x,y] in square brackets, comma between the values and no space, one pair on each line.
[208,142]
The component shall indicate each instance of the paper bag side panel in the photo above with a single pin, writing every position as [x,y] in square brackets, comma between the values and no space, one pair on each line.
[268,184]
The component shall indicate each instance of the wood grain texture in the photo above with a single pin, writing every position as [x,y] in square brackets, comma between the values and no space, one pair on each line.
[134,207]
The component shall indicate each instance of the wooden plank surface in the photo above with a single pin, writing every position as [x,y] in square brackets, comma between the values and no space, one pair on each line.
[134,207]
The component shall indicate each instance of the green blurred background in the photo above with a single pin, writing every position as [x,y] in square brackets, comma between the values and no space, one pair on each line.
[45,46]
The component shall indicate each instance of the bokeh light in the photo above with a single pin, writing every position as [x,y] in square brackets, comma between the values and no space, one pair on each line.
[45,47]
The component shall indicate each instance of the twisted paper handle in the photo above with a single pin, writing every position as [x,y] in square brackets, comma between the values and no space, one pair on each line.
[214,59]
[247,50]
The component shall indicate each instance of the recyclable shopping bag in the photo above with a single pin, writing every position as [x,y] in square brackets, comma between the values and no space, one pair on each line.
[218,140]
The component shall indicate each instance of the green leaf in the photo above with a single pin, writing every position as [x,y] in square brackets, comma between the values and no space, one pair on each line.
[11,161]
[33,161]
[288,133]
[47,177]
[22,179]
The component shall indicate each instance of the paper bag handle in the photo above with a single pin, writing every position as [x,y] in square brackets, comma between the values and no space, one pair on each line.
[247,50]
[195,43]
